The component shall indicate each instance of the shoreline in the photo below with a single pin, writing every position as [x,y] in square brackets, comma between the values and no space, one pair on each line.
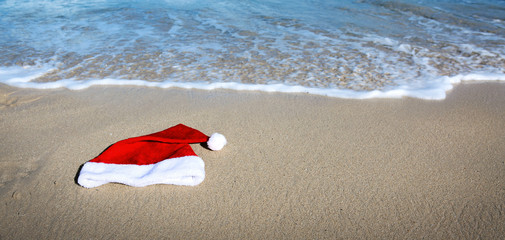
[435,89]
[296,166]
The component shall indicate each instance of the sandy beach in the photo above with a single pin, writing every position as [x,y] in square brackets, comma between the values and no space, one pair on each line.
[297,166]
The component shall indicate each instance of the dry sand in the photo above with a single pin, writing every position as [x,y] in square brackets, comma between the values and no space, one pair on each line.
[296,167]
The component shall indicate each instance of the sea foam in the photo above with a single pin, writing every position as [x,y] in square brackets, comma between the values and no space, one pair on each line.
[435,89]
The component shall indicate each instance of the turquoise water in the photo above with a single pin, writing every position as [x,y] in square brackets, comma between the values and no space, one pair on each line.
[335,48]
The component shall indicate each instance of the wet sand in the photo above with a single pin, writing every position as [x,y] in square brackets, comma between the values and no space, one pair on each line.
[297,166]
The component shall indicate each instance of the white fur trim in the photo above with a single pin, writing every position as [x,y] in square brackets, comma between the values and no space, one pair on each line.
[189,171]
[216,142]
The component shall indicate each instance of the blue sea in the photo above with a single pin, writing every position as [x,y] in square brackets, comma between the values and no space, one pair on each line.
[347,49]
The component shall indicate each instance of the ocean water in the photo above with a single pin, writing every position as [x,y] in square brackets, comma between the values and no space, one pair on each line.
[349,48]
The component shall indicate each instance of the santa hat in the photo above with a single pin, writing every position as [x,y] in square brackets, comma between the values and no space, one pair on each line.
[160,158]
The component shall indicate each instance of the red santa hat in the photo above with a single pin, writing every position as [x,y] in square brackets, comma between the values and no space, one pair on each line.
[160,158]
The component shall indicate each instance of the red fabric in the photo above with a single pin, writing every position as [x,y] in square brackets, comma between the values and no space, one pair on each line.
[149,149]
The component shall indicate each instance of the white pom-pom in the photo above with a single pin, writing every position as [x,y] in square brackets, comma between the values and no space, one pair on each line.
[216,142]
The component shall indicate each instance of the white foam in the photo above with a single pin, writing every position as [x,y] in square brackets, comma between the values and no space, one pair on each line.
[435,89]
[17,75]
[406,48]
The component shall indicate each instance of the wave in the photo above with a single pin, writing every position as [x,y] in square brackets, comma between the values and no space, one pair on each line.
[435,89]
